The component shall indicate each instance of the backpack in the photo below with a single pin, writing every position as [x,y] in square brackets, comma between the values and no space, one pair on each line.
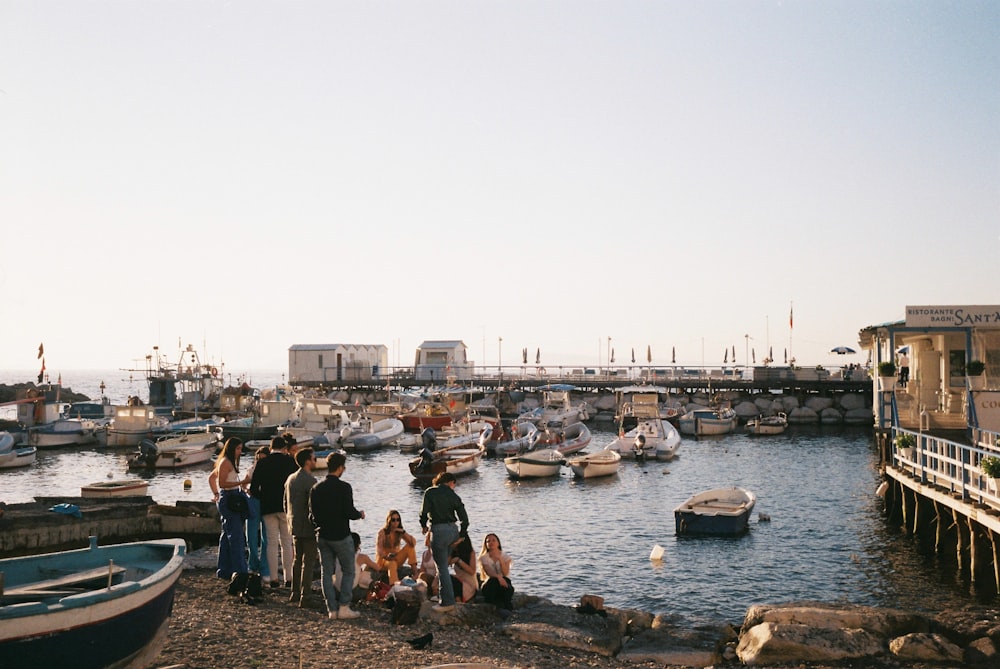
[255,585]
[237,584]
[406,610]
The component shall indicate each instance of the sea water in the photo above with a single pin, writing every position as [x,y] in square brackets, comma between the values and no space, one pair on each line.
[818,531]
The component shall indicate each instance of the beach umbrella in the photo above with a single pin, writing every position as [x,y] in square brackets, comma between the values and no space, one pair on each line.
[842,350]
[649,354]
[904,350]
[612,356]
[633,355]
[725,357]
[538,356]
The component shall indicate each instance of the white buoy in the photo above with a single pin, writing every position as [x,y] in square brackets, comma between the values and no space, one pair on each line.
[882,487]
[657,553]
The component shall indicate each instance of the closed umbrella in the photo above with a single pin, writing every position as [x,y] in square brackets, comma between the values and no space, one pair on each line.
[649,354]
[786,356]
[524,356]
[753,355]
[633,355]
[725,357]
[538,356]
[734,354]
[612,356]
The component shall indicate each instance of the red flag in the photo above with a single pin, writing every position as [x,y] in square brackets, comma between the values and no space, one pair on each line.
[789,317]
[451,404]
[41,351]
[42,372]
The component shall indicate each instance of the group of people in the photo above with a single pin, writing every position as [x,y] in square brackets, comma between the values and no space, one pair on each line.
[279,513]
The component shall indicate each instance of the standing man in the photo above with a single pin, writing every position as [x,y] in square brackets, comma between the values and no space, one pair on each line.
[904,368]
[443,508]
[268,485]
[331,507]
[304,550]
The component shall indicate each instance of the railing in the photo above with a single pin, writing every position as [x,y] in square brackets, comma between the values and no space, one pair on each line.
[951,466]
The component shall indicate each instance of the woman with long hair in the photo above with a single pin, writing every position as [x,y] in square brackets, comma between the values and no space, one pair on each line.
[494,574]
[233,507]
[394,547]
[463,561]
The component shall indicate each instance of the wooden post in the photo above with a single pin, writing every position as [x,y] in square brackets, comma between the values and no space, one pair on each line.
[937,530]
[958,539]
[996,567]
[972,554]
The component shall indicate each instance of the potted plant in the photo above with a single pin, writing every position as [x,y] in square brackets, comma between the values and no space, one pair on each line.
[887,374]
[990,464]
[906,444]
[974,373]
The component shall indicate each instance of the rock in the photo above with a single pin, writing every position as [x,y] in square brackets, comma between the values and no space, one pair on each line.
[563,627]
[604,403]
[982,651]
[859,416]
[746,410]
[854,401]
[831,416]
[666,647]
[802,415]
[818,404]
[883,622]
[925,648]
[770,643]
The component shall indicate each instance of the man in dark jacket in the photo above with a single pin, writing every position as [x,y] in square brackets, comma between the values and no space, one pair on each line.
[268,485]
[331,507]
[442,508]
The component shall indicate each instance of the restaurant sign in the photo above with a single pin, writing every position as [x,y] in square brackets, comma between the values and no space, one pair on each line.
[953,316]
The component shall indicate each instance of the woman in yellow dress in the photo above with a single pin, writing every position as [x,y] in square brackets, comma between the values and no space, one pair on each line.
[395,547]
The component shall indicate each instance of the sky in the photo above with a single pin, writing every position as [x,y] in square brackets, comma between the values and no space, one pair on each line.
[568,176]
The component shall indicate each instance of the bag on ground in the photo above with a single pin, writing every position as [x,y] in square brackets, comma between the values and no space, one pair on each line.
[406,610]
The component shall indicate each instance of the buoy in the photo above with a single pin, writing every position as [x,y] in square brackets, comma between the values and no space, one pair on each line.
[882,487]
[657,553]
[187,484]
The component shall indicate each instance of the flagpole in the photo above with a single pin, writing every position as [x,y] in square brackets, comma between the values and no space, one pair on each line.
[791,355]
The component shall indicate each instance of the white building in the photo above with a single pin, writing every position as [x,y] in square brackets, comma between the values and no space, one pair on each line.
[439,359]
[318,363]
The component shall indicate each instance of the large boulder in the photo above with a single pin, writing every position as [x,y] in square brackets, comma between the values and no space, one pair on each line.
[859,416]
[563,627]
[818,404]
[776,643]
[803,416]
[884,622]
[746,410]
[852,401]
[925,648]
[831,416]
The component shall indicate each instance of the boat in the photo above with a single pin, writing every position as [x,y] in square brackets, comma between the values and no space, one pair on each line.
[708,421]
[175,452]
[524,435]
[768,424]
[557,407]
[361,434]
[130,425]
[536,464]
[592,465]
[568,439]
[670,409]
[432,414]
[122,488]
[456,460]
[14,456]
[650,435]
[62,432]
[718,512]
[92,608]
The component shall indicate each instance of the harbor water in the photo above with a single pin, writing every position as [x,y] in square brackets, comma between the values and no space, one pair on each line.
[818,531]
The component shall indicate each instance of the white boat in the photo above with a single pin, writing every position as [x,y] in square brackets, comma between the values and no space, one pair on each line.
[20,456]
[650,436]
[768,424]
[720,511]
[122,488]
[130,425]
[568,439]
[524,435]
[458,461]
[708,421]
[62,432]
[536,464]
[175,452]
[557,408]
[91,608]
[361,434]
[6,441]
[592,465]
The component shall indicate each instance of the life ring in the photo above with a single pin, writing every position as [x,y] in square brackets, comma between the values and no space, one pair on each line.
[215,372]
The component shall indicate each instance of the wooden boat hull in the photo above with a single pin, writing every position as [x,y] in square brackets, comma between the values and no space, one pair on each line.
[124,488]
[768,426]
[537,464]
[602,463]
[457,461]
[717,512]
[41,625]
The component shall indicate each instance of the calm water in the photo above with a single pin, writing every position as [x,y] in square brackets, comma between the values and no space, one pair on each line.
[826,540]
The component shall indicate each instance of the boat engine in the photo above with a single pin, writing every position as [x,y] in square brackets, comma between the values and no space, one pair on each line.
[148,452]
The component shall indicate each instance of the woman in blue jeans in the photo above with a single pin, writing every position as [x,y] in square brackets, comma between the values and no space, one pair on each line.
[225,483]
[256,534]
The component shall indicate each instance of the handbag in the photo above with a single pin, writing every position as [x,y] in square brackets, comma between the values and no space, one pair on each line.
[238,502]
[378,591]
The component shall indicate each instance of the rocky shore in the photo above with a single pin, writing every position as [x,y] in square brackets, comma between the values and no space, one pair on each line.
[210,628]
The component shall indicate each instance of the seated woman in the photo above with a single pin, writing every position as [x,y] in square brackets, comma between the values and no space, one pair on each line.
[394,547]
[494,574]
[364,570]
[428,569]
[463,561]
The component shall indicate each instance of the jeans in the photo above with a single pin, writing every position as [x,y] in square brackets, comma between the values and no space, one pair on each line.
[303,567]
[256,538]
[278,536]
[232,541]
[443,535]
[343,552]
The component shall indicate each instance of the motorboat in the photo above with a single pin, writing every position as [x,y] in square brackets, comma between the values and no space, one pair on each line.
[175,452]
[131,424]
[719,512]
[12,455]
[62,432]
[456,460]
[768,424]
[626,397]
[361,434]
[536,464]
[91,608]
[592,465]
[557,408]
[568,439]
[705,421]
[651,436]
[522,437]
[122,488]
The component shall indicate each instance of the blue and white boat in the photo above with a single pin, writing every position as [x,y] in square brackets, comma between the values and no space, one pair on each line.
[92,608]
[716,512]
[704,421]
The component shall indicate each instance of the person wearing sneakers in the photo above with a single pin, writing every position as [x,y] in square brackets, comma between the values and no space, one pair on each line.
[442,508]
[331,508]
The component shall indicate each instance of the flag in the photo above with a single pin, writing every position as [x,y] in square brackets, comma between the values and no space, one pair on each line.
[41,351]
[789,316]
[60,378]
[41,373]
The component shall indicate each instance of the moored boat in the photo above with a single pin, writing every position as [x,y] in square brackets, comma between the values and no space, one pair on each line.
[458,461]
[718,512]
[557,408]
[62,432]
[592,465]
[121,488]
[766,425]
[705,421]
[93,608]
[650,435]
[568,439]
[175,452]
[523,435]
[20,456]
[536,464]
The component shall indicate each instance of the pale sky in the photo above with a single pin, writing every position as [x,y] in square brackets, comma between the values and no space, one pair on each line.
[245,176]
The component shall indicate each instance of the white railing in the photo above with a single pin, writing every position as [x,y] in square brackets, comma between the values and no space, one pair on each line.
[952,466]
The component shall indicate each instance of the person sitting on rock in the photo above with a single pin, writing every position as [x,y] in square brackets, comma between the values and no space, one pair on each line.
[395,547]
[494,574]
[463,561]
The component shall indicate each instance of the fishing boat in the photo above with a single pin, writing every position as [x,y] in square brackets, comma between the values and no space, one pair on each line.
[17,456]
[175,452]
[557,408]
[705,421]
[62,432]
[592,465]
[131,424]
[651,436]
[122,488]
[458,461]
[432,414]
[768,424]
[536,464]
[716,512]
[92,608]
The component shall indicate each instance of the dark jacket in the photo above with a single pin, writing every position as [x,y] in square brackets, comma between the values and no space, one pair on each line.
[268,481]
[331,508]
[441,504]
